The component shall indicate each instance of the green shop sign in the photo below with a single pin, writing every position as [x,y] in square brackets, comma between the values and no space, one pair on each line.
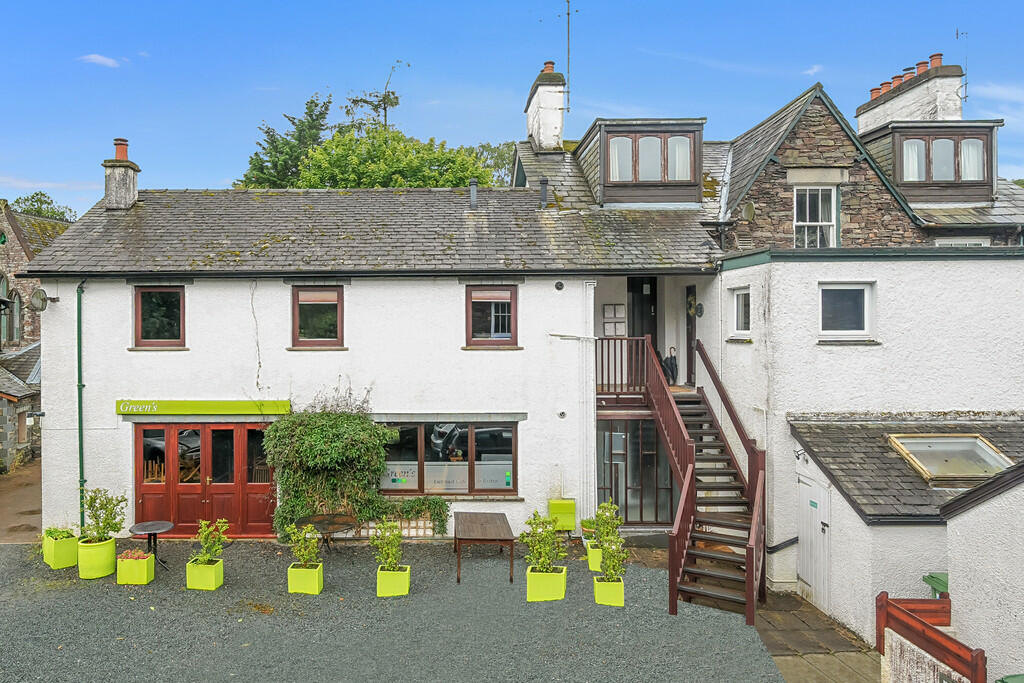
[131,406]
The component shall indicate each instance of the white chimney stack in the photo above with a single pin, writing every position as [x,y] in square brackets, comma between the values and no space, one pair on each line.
[121,178]
[545,109]
[930,94]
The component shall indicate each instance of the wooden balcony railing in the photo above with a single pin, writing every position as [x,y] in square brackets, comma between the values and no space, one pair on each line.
[621,369]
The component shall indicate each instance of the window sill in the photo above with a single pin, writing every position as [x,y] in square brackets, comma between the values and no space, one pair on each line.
[316,348]
[492,348]
[849,342]
[158,348]
[464,497]
[739,340]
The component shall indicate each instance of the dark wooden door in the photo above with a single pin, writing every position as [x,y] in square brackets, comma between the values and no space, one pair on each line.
[185,446]
[152,487]
[258,494]
[222,487]
[642,298]
[691,335]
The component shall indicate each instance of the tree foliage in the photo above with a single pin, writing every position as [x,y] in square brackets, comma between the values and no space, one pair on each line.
[370,108]
[1019,181]
[42,205]
[276,164]
[104,515]
[385,157]
[498,160]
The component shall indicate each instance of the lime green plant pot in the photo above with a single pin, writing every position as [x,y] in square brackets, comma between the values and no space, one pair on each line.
[611,593]
[390,584]
[204,577]
[544,586]
[135,572]
[96,560]
[594,556]
[305,579]
[60,553]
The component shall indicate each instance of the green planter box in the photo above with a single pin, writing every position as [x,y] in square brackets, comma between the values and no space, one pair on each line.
[390,584]
[61,553]
[204,577]
[543,586]
[612,593]
[563,510]
[303,579]
[135,572]
[96,560]
[593,556]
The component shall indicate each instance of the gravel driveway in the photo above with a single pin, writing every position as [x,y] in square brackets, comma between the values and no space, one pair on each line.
[55,627]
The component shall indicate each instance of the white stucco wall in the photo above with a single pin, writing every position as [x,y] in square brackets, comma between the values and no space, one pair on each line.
[404,337]
[545,115]
[986,555]
[936,99]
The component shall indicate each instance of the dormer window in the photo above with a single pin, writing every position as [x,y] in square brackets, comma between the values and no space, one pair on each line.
[943,158]
[657,158]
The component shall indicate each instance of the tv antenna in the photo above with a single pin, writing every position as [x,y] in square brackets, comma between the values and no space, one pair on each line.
[568,39]
[958,34]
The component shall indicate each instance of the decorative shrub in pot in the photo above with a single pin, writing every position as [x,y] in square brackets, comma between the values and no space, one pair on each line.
[104,518]
[205,569]
[393,578]
[609,589]
[135,567]
[60,548]
[544,580]
[306,573]
[606,523]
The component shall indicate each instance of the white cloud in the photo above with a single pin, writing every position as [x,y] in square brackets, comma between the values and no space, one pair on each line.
[143,53]
[813,70]
[997,91]
[108,62]
[26,184]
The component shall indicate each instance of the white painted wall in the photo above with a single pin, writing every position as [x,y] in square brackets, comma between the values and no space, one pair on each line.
[545,116]
[986,555]
[404,337]
[936,99]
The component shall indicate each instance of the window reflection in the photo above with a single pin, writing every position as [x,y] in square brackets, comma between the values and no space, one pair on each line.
[154,456]
[188,456]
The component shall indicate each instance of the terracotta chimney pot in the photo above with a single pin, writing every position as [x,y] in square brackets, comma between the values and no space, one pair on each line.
[921,67]
[875,92]
[886,87]
[936,59]
[549,67]
[908,73]
[896,80]
[120,148]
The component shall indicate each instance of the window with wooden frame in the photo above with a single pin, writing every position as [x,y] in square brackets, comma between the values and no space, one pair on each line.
[317,316]
[814,217]
[651,158]
[491,314]
[23,427]
[943,158]
[160,316]
[452,458]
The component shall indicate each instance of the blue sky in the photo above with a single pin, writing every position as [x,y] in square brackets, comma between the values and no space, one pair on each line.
[189,83]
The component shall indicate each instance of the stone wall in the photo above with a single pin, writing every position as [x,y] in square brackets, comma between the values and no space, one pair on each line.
[869,215]
[14,260]
[10,447]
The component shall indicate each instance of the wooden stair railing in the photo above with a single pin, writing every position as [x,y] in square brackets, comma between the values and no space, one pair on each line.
[621,367]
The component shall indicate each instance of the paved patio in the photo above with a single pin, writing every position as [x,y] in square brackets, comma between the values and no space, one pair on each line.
[21,504]
[59,628]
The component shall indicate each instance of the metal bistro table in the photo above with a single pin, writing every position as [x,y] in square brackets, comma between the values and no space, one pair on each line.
[483,527]
[152,529]
[327,524]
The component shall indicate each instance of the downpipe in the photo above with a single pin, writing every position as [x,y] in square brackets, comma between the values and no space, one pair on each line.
[81,431]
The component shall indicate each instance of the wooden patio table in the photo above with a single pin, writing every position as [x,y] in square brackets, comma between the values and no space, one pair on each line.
[328,524]
[483,527]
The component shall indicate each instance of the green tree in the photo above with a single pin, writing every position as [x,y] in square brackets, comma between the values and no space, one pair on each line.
[276,164]
[1019,181]
[382,156]
[42,204]
[498,159]
[370,108]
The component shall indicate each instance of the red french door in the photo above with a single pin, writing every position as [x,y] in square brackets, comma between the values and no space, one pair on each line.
[189,472]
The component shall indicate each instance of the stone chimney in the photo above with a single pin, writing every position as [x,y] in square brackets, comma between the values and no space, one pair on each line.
[121,178]
[545,109]
[930,94]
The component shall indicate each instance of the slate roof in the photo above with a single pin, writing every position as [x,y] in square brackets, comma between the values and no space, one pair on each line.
[1007,209]
[34,233]
[563,174]
[370,231]
[1006,480]
[12,386]
[24,363]
[876,480]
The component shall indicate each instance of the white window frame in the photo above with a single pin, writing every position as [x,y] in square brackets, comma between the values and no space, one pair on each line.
[869,311]
[736,332]
[963,241]
[819,226]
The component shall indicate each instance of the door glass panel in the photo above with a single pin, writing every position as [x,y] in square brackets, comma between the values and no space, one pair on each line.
[154,456]
[633,454]
[633,505]
[256,469]
[188,456]
[492,468]
[222,456]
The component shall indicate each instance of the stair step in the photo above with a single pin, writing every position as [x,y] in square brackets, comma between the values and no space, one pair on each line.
[695,419]
[720,538]
[714,592]
[703,432]
[729,520]
[720,486]
[712,457]
[708,445]
[714,472]
[715,572]
[691,408]
[721,502]
[733,558]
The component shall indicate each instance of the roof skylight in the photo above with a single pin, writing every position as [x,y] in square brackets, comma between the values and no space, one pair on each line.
[950,460]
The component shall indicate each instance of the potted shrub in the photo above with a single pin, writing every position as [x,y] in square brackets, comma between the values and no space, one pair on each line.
[606,523]
[104,517]
[587,527]
[306,573]
[60,548]
[205,569]
[393,578]
[135,567]
[544,580]
[609,589]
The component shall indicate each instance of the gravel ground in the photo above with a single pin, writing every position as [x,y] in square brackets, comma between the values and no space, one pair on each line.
[55,627]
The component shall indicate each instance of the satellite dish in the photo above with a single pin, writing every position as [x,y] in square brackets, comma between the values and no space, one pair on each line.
[748,211]
[37,300]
